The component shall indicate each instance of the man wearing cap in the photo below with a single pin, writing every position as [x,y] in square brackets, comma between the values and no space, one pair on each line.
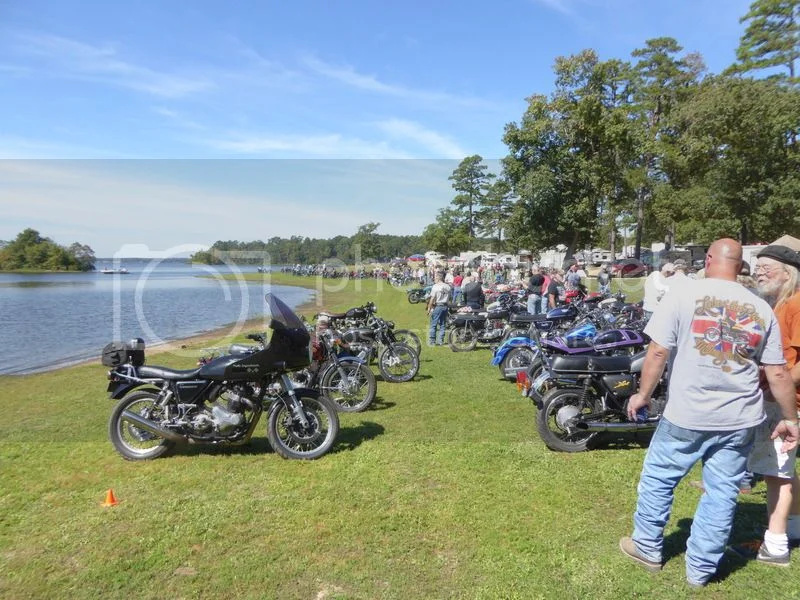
[777,278]
[437,309]
[719,333]
[655,286]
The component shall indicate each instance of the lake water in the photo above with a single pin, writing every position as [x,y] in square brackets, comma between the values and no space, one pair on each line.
[55,319]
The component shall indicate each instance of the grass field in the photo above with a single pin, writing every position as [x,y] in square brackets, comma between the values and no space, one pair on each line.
[442,490]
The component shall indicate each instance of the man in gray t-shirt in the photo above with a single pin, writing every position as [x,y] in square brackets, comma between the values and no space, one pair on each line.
[718,333]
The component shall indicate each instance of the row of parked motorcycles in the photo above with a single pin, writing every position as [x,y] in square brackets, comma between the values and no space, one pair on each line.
[579,362]
[302,375]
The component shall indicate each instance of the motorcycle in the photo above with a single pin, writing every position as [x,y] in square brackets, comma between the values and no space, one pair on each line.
[397,362]
[365,316]
[417,295]
[590,396]
[468,329]
[347,381]
[221,401]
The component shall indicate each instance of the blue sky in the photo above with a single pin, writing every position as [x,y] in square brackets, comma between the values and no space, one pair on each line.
[358,111]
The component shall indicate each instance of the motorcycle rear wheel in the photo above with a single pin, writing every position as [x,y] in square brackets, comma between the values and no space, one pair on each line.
[462,339]
[409,338]
[517,359]
[398,363]
[290,440]
[559,406]
[131,442]
[351,390]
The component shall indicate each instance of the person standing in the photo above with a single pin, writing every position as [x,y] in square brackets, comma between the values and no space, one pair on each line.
[437,309]
[777,279]
[473,292]
[458,279]
[719,332]
[535,283]
[655,286]
[573,278]
[556,292]
[545,288]
[604,280]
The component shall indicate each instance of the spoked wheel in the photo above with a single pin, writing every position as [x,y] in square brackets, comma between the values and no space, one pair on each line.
[462,339]
[409,338]
[537,368]
[130,441]
[350,386]
[518,359]
[289,438]
[398,363]
[555,420]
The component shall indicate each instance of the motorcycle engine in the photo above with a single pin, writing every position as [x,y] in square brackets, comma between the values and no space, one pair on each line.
[226,415]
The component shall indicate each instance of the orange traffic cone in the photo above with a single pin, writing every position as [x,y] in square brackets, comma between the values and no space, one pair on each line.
[110,499]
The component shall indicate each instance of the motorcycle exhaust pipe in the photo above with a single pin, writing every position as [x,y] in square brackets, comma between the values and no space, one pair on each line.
[150,427]
[601,426]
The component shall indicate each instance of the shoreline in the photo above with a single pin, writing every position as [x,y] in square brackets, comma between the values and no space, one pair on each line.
[182,343]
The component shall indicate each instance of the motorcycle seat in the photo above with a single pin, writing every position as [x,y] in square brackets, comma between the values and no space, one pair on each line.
[591,364]
[146,372]
[523,317]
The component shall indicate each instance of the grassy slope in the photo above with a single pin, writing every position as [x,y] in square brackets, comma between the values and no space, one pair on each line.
[442,490]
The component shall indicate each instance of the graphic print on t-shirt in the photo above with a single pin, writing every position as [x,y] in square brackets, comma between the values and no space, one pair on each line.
[727,330]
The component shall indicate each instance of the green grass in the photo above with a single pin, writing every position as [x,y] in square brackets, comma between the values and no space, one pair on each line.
[442,490]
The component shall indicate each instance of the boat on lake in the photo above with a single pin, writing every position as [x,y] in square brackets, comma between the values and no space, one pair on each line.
[119,271]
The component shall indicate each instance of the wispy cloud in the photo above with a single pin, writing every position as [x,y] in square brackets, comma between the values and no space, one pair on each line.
[565,7]
[348,76]
[332,145]
[434,143]
[72,59]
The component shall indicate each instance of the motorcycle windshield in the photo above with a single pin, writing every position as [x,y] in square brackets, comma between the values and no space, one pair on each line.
[281,315]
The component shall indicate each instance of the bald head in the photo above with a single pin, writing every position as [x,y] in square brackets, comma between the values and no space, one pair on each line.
[724,259]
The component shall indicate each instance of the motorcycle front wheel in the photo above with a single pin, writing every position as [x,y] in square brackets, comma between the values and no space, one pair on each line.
[555,420]
[517,359]
[350,386]
[462,339]
[290,439]
[131,442]
[414,297]
[398,363]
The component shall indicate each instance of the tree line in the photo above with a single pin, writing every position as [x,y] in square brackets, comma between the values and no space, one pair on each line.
[366,244]
[29,250]
[654,145]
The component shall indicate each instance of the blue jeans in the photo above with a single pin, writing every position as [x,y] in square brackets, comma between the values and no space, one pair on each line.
[534,303]
[673,452]
[438,325]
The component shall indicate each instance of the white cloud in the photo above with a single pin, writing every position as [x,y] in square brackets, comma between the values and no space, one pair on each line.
[562,6]
[108,204]
[351,78]
[319,146]
[68,58]
[433,142]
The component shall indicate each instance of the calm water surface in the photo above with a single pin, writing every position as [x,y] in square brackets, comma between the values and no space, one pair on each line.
[51,320]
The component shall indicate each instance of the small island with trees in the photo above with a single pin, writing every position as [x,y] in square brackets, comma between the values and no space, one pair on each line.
[29,251]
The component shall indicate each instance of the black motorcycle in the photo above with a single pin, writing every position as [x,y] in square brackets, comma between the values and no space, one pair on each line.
[397,362]
[468,329]
[220,402]
[365,316]
[590,395]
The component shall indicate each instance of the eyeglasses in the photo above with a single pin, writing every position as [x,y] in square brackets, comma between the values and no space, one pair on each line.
[766,270]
